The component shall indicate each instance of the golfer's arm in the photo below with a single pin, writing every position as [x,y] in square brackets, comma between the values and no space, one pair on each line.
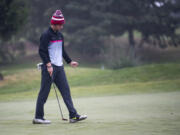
[65,55]
[43,49]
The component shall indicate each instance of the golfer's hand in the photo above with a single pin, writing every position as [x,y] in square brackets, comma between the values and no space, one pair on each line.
[50,70]
[74,64]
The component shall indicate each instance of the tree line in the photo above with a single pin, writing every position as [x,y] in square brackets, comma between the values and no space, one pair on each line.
[89,21]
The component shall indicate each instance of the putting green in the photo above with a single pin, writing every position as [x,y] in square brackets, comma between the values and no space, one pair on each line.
[138,114]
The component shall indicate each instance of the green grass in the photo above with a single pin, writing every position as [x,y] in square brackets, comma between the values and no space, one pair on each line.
[140,114]
[139,100]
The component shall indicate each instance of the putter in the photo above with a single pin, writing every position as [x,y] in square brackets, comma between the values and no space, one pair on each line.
[58,100]
[39,67]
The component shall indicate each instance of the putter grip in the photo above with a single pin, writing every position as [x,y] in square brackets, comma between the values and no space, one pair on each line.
[39,66]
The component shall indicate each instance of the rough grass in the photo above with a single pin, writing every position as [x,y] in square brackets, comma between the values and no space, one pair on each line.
[25,82]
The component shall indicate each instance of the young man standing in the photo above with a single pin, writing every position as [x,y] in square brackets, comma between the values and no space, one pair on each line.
[52,52]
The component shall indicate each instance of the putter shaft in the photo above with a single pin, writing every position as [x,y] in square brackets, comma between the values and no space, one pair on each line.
[58,101]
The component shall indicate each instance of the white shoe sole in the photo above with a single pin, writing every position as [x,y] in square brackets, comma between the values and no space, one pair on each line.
[39,121]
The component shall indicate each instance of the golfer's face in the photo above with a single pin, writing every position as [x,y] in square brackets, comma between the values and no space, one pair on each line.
[59,27]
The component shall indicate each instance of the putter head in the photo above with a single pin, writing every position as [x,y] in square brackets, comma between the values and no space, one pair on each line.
[64,119]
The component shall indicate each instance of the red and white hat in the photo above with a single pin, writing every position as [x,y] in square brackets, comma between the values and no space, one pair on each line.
[57,18]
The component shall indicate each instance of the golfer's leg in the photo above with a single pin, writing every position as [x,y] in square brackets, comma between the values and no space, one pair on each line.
[43,93]
[62,84]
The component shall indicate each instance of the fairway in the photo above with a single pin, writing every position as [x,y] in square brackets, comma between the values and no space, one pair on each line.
[138,114]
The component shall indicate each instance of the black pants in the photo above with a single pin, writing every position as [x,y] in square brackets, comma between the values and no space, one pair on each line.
[62,84]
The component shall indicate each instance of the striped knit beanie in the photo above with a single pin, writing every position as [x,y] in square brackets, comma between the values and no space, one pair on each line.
[57,18]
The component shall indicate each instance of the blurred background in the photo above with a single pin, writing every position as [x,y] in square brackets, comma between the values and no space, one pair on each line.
[124,41]
[106,33]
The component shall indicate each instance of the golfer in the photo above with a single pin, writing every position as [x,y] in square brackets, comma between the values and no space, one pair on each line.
[52,52]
